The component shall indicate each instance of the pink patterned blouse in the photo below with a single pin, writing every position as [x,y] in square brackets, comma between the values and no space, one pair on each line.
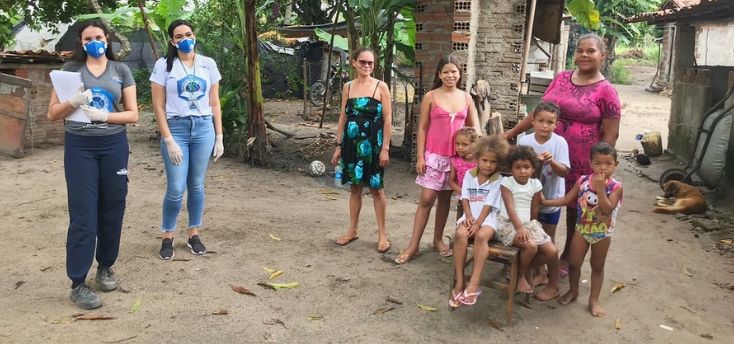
[461,166]
[582,110]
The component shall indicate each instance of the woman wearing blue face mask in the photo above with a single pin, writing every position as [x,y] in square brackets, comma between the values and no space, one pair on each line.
[185,88]
[95,160]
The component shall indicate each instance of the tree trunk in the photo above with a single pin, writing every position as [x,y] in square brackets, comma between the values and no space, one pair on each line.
[147,28]
[114,34]
[352,34]
[389,47]
[259,150]
[611,43]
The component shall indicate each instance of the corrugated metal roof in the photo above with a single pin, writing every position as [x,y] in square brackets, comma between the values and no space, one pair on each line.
[38,56]
[696,10]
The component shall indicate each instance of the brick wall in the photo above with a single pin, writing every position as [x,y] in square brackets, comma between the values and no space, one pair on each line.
[39,130]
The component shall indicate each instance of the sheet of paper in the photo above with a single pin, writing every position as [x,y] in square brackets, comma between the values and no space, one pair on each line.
[66,84]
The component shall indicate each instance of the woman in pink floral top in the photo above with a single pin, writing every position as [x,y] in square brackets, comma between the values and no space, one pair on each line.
[590,113]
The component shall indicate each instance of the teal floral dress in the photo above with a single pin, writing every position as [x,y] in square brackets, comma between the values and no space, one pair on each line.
[362,143]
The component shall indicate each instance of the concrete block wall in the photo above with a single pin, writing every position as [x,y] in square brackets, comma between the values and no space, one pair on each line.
[498,50]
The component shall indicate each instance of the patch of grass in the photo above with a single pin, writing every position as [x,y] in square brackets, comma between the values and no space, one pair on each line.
[620,75]
[643,56]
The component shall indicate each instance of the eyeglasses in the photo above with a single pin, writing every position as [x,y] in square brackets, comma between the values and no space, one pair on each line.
[179,36]
[365,63]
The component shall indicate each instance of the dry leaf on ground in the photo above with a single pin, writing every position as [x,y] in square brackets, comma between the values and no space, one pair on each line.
[687,272]
[426,308]
[618,324]
[316,317]
[383,310]
[242,290]
[496,325]
[221,312]
[136,305]
[617,287]
[274,237]
[93,316]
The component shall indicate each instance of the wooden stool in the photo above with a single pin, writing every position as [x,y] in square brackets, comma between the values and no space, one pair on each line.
[508,256]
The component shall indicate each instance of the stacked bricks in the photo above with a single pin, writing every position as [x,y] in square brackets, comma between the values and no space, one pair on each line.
[39,130]
[498,53]
[460,34]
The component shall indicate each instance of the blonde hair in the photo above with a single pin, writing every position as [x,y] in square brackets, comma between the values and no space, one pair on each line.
[467,131]
[491,143]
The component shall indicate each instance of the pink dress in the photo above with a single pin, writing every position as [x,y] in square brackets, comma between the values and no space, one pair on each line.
[440,146]
[582,111]
[461,166]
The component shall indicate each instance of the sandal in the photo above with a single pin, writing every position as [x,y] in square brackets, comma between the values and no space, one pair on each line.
[562,272]
[403,258]
[454,300]
[466,295]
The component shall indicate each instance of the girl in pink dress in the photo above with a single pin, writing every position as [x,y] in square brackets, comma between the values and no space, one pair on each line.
[462,161]
[590,113]
[444,110]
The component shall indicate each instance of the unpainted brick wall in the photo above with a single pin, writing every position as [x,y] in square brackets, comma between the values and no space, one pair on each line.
[39,130]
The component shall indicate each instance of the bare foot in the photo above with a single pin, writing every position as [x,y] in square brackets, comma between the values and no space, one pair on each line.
[347,238]
[541,279]
[383,245]
[596,310]
[548,293]
[524,286]
[568,297]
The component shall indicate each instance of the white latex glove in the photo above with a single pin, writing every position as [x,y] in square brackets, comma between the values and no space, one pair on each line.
[94,114]
[174,151]
[218,147]
[81,97]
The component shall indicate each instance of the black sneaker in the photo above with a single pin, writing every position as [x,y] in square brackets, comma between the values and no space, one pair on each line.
[105,279]
[167,249]
[196,246]
[84,297]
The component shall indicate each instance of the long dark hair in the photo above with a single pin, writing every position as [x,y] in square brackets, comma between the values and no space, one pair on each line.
[444,60]
[172,50]
[80,55]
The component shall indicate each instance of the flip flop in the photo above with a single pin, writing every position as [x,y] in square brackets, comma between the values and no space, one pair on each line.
[465,295]
[345,243]
[404,258]
[454,300]
[384,249]
[562,272]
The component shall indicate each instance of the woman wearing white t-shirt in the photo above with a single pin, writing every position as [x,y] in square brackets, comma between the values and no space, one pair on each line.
[185,89]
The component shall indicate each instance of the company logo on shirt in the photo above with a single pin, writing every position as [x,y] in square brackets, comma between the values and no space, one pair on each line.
[102,99]
[191,88]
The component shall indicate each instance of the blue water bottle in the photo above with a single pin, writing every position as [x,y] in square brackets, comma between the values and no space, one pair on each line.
[338,174]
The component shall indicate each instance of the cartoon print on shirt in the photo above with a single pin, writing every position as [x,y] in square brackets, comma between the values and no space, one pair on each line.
[102,99]
[593,223]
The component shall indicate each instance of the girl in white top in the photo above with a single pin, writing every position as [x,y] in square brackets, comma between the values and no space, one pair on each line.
[480,198]
[518,225]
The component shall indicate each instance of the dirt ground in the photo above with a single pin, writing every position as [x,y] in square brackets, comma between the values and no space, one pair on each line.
[674,276]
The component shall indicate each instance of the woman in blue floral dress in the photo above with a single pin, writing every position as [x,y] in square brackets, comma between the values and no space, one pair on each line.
[363,144]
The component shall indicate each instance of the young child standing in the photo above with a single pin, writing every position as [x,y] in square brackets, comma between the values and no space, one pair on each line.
[463,161]
[552,150]
[444,110]
[518,225]
[480,198]
[598,197]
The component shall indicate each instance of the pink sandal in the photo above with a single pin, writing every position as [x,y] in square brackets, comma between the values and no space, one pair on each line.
[466,295]
[454,300]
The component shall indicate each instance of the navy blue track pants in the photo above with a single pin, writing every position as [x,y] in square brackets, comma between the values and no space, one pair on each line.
[96,183]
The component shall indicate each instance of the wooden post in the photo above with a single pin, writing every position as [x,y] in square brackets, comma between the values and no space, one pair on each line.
[305,86]
[147,29]
[335,18]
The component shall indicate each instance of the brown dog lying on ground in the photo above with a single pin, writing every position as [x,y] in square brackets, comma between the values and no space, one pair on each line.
[687,199]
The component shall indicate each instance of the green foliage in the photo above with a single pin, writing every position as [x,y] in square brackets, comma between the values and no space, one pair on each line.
[647,56]
[142,86]
[37,12]
[620,74]
[585,12]
[606,17]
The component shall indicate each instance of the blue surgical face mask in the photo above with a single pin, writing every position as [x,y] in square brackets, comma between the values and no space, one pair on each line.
[95,48]
[186,45]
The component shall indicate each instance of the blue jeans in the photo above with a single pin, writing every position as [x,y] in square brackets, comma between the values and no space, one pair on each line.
[96,184]
[195,136]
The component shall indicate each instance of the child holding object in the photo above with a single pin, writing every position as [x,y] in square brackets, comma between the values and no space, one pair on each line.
[463,161]
[598,197]
[518,225]
[480,198]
